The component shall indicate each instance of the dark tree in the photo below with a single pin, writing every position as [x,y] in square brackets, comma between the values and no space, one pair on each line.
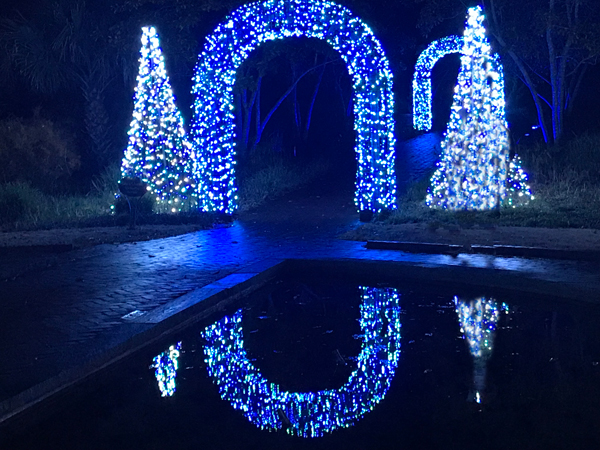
[549,43]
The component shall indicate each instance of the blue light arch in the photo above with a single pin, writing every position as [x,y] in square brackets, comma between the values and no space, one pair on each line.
[212,131]
[421,83]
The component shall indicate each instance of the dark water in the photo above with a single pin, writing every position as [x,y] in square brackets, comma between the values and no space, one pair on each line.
[355,366]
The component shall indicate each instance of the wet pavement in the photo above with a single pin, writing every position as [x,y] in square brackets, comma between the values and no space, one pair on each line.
[56,318]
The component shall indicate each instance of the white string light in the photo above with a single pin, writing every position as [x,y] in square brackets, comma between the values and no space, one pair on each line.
[157,151]
[473,168]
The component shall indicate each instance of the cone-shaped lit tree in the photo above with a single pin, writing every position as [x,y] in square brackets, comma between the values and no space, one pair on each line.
[158,152]
[518,192]
[472,172]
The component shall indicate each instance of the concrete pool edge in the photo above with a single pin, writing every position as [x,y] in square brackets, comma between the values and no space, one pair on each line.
[197,304]
[495,250]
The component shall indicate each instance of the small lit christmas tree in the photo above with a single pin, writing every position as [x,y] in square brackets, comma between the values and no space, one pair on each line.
[518,191]
[472,172]
[158,152]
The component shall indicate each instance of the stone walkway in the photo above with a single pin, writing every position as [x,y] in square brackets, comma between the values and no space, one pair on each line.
[55,319]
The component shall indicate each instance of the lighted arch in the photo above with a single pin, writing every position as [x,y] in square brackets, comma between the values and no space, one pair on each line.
[212,130]
[309,414]
[421,84]
[422,78]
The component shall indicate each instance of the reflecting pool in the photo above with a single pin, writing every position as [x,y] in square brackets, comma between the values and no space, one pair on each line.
[328,363]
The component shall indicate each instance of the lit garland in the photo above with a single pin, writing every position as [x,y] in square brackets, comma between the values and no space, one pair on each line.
[309,414]
[166,366]
[212,130]
[158,152]
[518,191]
[478,321]
[421,83]
[473,168]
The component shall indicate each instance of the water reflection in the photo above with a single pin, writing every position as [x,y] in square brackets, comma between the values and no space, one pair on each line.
[478,321]
[166,366]
[309,414]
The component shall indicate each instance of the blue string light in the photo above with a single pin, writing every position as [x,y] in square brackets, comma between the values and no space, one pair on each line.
[422,97]
[212,130]
[309,414]
[421,83]
[471,174]
[157,151]
[166,366]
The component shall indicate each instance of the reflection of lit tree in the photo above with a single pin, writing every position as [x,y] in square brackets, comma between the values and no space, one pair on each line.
[309,414]
[478,321]
[166,366]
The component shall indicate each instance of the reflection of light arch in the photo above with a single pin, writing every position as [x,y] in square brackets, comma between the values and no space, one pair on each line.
[212,130]
[422,116]
[309,414]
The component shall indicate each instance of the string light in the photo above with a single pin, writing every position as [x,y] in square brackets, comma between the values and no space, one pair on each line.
[422,97]
[421,83]
[212,130]
[478,321]
[471,174]
[309,414]
[518,191]
[166,366]
[157,151]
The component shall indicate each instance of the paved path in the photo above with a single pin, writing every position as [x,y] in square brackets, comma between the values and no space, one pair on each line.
[55,319]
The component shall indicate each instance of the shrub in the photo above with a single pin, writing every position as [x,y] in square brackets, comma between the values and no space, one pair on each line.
[564,181]
[269,175]
[37,152]
[18,202]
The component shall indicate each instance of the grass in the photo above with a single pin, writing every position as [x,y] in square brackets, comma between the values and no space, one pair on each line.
[23,207]
[262,178]
[565,181]
[269,176]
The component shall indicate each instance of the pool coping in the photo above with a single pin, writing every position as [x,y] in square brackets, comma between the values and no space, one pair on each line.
[200,303]
[495,250]
[161,322]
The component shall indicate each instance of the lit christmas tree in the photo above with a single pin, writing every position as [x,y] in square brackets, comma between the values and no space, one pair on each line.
[518,191]
[158,152]
[472,172]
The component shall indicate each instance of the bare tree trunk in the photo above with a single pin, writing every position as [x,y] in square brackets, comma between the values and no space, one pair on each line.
[524,72]
[247,108]
[260,127]
[552,60]
[312,104]
[258,114]
[94,82]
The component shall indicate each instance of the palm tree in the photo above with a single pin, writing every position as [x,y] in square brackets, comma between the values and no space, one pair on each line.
[64,48]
